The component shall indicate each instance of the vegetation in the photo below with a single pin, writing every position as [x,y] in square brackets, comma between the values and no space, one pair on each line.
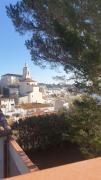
[63,32]
[40,132]
[80,125]
[84,123]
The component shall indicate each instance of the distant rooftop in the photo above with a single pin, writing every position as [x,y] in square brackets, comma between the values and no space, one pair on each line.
[28,80]
[34,105]
[17,75]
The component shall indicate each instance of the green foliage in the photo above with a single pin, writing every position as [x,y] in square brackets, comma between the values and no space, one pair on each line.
[80,125]
[84,122]
[63,32]
[40,132]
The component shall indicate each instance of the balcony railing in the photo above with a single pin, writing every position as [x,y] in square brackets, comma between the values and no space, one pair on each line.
[13,160]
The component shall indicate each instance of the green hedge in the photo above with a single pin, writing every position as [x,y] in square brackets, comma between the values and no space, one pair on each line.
[41,132]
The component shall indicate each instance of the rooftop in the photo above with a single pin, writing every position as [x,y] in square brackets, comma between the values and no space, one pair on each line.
[16,75]
[34,105]
[28,80]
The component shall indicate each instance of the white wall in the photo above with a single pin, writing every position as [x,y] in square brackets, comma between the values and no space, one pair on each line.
[23,100]
[35,97]
[9,80]
[25,88]
[9,104]
[17,165]
[13,91]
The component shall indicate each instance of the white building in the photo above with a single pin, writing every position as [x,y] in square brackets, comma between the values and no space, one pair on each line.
[14,89]
[7,105]
[10,79]
[23,85]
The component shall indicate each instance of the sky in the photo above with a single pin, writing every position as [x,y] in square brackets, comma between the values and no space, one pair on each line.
[14,54]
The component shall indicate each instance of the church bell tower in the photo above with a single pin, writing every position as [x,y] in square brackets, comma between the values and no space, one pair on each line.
[26,72]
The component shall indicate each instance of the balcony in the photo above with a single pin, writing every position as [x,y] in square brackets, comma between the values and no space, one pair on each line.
[15,164]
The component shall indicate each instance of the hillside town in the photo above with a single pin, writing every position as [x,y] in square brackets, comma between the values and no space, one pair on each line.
[22,96]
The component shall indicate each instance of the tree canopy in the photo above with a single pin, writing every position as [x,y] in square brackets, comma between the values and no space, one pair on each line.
[66,32]
[84,124]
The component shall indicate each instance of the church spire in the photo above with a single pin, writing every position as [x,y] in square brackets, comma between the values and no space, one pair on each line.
[25,64]
[26,72]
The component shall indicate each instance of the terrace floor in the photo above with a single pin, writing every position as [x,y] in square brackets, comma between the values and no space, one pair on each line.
[65,154]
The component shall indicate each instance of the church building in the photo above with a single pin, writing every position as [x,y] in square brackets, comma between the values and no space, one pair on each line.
[24,86]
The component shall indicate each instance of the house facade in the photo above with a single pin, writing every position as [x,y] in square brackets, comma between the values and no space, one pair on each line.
[7,105]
